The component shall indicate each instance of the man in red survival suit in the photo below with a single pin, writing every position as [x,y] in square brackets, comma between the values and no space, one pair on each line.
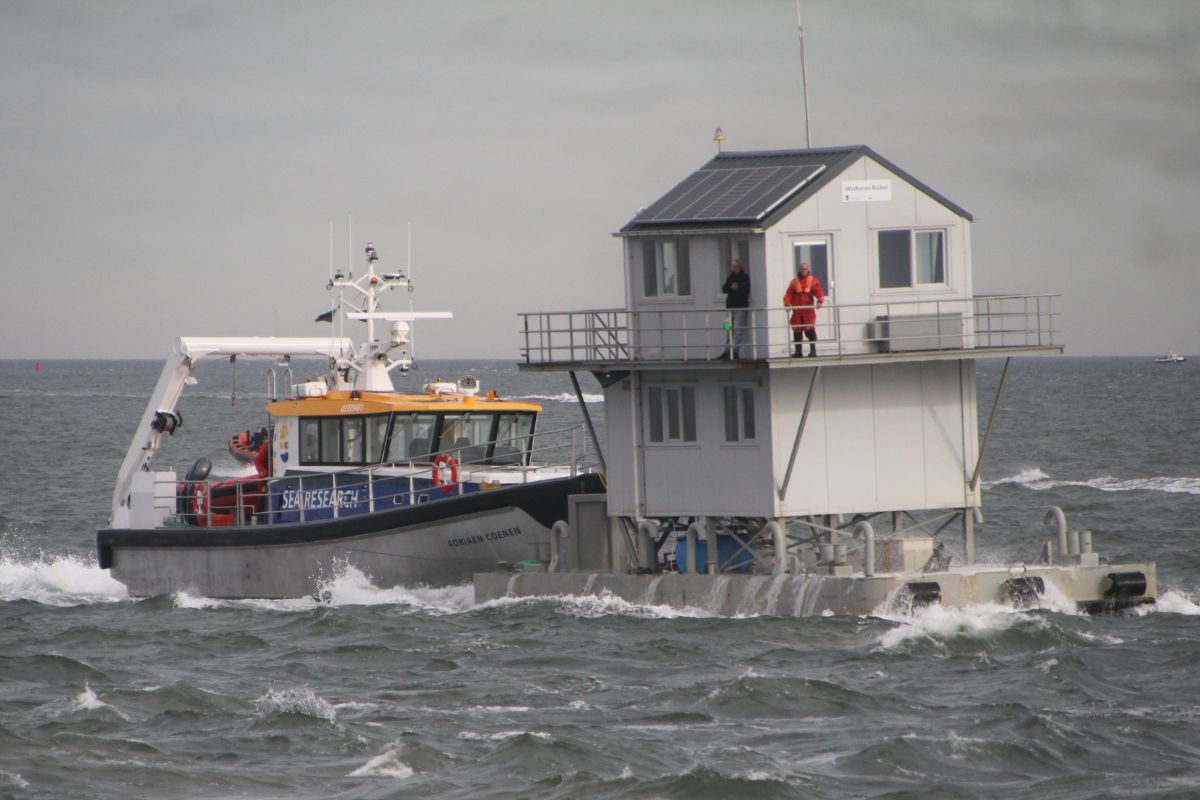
[804,296]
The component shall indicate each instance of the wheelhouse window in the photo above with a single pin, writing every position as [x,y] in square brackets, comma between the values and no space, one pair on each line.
[466,436]
[739,413]
[412,435]
[375,433]
[310,441]
[671,413]
[514,431]
[342,440]
[471,437]
[666,271]
[910,258]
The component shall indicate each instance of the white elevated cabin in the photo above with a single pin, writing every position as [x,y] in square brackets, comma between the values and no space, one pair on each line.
[882,421]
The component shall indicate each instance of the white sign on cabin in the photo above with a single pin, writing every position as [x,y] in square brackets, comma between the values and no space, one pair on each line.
[878,191]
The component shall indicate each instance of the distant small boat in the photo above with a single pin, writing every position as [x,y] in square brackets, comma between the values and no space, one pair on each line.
[1170,358]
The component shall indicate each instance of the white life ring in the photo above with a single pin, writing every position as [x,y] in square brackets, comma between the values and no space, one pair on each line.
[445,472]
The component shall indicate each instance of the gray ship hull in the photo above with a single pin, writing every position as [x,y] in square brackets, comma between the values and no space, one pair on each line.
[436,544]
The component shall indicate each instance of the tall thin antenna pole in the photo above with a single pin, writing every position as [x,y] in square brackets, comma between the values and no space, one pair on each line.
[349,266]
[803,76]
[331,251]
[408,266]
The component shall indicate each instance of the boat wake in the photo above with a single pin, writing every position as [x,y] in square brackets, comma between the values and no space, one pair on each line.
[1036,479]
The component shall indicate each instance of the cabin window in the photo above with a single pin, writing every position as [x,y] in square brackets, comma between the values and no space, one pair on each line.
[739,413]
[375,431]
[342,440]
[666,271]
[513,432]
[352,440]
[412,435]
[671,413]
[466,437]
[911,258]
[331,440]
[310,441]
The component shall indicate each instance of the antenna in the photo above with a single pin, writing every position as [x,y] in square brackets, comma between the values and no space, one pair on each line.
[803,76]
[350,264]
[719,137]
[331,251]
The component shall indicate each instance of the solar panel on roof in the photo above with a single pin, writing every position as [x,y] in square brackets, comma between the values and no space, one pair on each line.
[740,193]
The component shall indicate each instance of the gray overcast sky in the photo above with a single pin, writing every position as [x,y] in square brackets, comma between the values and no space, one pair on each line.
[171,168]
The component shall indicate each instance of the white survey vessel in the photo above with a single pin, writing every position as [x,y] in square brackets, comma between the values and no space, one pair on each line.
[424,486]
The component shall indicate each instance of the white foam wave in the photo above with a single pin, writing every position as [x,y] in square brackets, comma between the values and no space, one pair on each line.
[200,602]
[939,623]
[1172,601]
[473,710]
[299,700]
[603,605]
[349,586]
[88,700]
[500,736]
[564,397]
[385,765]
[58,581]
[13,777]
[1037,480]
[1027,477]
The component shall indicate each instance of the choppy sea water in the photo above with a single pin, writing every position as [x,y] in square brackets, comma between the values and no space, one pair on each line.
[405,692]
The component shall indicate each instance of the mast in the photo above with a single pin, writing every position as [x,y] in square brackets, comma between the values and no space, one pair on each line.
[378,355]
[803,76]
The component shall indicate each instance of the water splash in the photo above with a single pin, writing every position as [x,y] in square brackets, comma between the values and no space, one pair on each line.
[349,586]
[58,581]
[300,700]
[88,700]
[1172,601]
[941,624]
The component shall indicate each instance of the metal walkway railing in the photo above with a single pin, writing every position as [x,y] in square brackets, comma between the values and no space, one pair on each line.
[684,333]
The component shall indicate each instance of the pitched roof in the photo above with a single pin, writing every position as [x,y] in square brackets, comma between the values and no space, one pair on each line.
[756,189]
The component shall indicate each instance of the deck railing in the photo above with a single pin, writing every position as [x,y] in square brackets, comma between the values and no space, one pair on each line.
[673,333]
[388,485]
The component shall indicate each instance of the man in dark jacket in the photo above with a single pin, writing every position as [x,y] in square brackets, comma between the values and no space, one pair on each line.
[737,300]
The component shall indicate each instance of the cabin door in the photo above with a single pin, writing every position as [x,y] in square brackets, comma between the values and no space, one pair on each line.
[817,252]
